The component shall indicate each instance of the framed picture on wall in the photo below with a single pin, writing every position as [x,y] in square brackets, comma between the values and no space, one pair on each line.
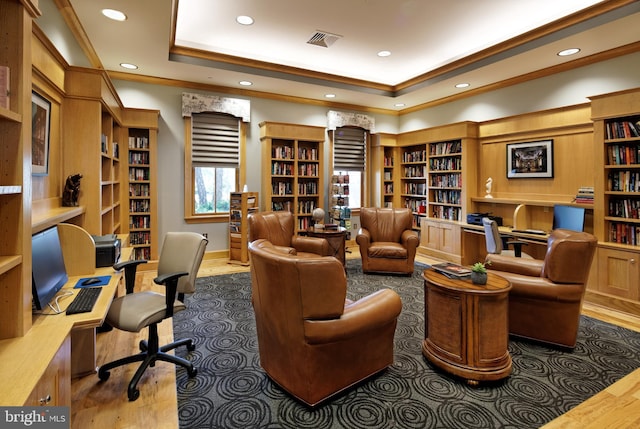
[40,128]
[530,159]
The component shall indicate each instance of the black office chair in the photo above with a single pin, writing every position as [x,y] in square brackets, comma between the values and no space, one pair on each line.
[178,266]
[497,244]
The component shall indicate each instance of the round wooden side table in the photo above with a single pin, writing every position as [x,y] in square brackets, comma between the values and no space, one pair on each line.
[466,326]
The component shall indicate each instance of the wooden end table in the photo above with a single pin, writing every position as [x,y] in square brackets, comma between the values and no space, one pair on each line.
[336,239]
[466,326]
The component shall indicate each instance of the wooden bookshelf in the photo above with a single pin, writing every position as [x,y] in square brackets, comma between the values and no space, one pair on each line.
[242,204]
[293,180]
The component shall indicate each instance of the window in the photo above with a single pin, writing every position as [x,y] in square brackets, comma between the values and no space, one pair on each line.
[212,164]
[349,157]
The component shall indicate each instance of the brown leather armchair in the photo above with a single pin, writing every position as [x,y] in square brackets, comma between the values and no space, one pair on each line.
[546,295]
[313,342]
[387,242]
[278,227]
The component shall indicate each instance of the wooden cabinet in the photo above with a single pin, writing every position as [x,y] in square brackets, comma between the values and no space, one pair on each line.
[15,180]
[441,239]
[616,127]
[293,170]
[54,387]
[242,205]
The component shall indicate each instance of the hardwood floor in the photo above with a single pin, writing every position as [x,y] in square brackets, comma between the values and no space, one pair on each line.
[100,405]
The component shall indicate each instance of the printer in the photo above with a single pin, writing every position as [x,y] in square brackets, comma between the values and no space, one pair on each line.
[107,249]
[476,218]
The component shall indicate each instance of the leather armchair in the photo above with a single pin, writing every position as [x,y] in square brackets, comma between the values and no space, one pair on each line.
[278,227]
[387,242]
[312,341]
[545,300]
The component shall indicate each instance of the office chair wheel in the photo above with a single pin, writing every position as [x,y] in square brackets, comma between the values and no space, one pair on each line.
[191,346]
[133,394]
[192,372]
[103,375]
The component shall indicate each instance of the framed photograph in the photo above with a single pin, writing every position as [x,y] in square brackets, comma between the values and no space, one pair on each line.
[530,160]
[40,127]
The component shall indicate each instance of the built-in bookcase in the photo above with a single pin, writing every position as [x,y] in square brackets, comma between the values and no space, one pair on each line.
[445,180]
[139,200]
[413,181]
[242,204]
[293,180]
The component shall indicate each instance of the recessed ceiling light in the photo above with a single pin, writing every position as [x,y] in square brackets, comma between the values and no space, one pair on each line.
[463,85]
[384,53]
[568,52]
[245,83]
[116,15]
[128,66]
[244,20]
[399,105]
[330,96]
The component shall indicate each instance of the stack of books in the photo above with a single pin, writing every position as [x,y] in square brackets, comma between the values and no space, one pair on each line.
[585,195]
[452,270]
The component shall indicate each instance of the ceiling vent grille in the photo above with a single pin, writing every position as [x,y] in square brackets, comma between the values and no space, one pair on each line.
[323,39]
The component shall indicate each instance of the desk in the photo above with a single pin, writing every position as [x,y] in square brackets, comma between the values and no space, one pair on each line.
[474,249]
[26,360]
[466,326]
[336,239]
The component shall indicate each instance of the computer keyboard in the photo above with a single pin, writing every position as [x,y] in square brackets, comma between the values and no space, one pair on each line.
[84,300]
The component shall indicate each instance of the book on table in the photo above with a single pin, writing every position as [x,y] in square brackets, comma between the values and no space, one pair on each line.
[451,269]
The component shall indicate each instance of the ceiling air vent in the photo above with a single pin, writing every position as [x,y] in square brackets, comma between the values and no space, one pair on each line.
[324,39]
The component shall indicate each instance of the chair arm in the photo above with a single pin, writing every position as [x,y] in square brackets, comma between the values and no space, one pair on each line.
[517,246]
[316,245]
[410,239]
[130,268]
[541,288]
[363,238]
[170,281]
[367,314]
[511,264]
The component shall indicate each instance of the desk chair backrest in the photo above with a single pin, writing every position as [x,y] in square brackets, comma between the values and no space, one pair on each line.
[492,236]
[182,251]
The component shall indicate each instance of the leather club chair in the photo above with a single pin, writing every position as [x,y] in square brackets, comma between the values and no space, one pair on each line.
[387,242]
[313,342]
[545,300]
[278,227]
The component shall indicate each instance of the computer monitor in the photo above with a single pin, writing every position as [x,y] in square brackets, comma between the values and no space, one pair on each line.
[48,271]
[568,217]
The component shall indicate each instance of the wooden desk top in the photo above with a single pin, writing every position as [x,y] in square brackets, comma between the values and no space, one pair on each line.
[25,359]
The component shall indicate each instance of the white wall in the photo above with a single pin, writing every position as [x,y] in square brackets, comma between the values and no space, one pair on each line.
[565,89]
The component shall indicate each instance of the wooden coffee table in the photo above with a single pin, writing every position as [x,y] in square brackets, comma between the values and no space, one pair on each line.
[336,239]
[466,326]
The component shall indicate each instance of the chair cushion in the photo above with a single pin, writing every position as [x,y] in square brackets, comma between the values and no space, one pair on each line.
[138,310]
[386,249]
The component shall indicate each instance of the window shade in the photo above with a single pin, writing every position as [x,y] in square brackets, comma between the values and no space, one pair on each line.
[215,140]
[349,149]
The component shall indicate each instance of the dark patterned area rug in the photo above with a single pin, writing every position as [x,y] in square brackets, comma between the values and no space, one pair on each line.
[231,390]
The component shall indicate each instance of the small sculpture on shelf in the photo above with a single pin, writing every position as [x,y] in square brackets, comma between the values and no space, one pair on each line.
[71,191]
[488,187]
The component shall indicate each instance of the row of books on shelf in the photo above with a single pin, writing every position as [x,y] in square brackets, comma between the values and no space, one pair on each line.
[623,129]
[138,142]
[445,164]
[623,154]
[139,158]
[445,148]
[411,188]
[447,196]
[388,188]
[138,174]
[308,169]
[139,206]
[417,206]
[449,180]
[308,188]
[138,190]
[104,147]
[282,152]
[419,155]
[306,206]
[142,253]
[281,188]
[278,206]
[624,181]
[388,161]
[624,234]
[308,153]
[446,212]
[140,238]
[281,168]
[139,222]
[584,195]
[414,171]
[626,207]
[388,175]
